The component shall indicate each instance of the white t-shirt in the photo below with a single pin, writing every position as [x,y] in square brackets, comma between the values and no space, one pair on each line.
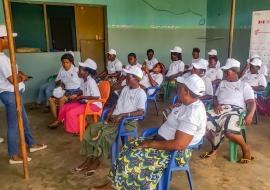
[190,119]
[114,66]
[90,88]
[5,72]
[176,67]
[158,78]
[151,63]
[234,93]
[254,79]
[208,86]
[214,74]
[130,100]
[70,78]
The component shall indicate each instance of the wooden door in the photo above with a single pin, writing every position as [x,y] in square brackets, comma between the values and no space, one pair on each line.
[90,27]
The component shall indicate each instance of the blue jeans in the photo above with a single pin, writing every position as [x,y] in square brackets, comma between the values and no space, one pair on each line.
[8,99]
[45,91]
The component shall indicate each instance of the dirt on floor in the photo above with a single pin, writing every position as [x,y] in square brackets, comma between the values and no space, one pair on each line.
[50,169]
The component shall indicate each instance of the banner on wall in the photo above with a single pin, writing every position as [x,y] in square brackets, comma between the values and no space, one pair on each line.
[260,37]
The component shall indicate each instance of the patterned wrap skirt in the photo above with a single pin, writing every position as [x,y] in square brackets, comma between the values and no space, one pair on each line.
[141,168]
[99,137]
[226,121]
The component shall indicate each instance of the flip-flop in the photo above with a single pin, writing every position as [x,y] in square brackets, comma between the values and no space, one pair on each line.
[89,173]
[205,155]
[245,160]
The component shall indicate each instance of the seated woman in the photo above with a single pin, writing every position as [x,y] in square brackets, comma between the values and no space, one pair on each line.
[132,63]
[141,162]
[199,68]
[114,68]
[256,80]
[213,71]
[177,66]
[152,79]
[68,80]
[99,137]
[70,112]
[232,97]
[151,61]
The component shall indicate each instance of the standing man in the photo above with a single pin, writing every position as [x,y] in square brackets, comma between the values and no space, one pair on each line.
[8,99]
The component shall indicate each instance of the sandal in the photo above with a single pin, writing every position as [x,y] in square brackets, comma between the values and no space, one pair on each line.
[205,155]
[54,125]
[245,160]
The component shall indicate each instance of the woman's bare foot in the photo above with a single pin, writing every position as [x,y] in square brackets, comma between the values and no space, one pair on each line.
[209,154]
[55,124]
[92,167]
[247,153]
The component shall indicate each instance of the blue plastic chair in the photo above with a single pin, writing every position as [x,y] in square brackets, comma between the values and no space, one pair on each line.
[167,173]
[153,96]
[257,95]
[123,134]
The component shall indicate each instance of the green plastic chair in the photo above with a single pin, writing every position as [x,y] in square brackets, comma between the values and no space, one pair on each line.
[233,147]
[167,86]
[51,78]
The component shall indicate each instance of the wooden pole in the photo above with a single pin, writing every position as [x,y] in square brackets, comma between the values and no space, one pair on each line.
[46,27]
[231,28]
[7,11]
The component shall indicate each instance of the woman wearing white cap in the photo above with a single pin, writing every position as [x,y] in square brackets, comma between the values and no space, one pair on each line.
[232,97]
[114,67]
[69,113]
[199,67]
[141,162]
[99,137]
[213,53]
[256,80]
[177,66]
[68,83]
[213,71]
[8,99]
[263,68]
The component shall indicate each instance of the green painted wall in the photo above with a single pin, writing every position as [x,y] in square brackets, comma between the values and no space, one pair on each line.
[133,26]
[35,14]
[218,21]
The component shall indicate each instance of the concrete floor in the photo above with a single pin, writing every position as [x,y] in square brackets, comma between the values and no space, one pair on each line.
[49,169]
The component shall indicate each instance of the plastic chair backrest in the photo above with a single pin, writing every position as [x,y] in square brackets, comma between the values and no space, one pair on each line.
[104,89]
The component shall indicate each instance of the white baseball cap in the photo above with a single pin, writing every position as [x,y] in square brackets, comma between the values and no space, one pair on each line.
[89,63]
[3,31]
[58,92]
[256,62]
[254,56]
[193,83]
[134,71]
[112,52]
[230,64]
[200,64]
[212,52]
[71,53]
[176,49]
